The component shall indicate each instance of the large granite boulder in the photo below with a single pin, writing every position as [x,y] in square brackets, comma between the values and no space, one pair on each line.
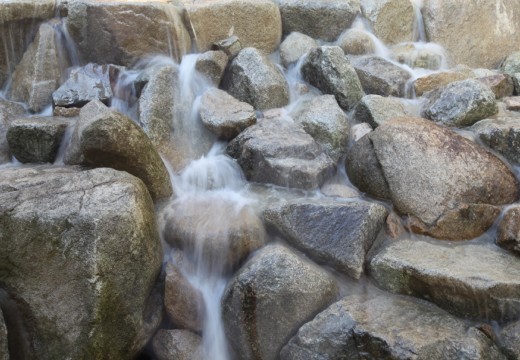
[325,19]
[381,77]
[36,139]
[88,292]
[461,103]
[476,34]
[326,122]
[447,185]
[459,279]
[327,69]
[9,110]
[277,151]
[253,78]
[272,295]
[122,31]
[335,233]
[502,134]
[388,327]
[256,23]
[19,22]
[392,21]
[178,345]
[38,74]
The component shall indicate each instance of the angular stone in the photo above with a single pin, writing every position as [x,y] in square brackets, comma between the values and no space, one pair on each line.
[485,36]
[325,19]
[380,77]
[38,73]
[123,31]
[327,69]
[376,109]
[254,79]
[212,64]
[419,55]
[501,85]
[231,46]
[470,281]
[279,152]
[513,103]
[91,82]
[271,297]
[502,134]
[339,190]
[294,47]
[388,327]
[338,234]
[516,82]
[256,23]
[36,139]
[508,233]
[509,340]
[511,64]
[356,42]
[88,292]
[325,121]
[177,344]
[224,115]
[183,303]
[219,230]
[392,21]
[447,185]
[437,80]
[8,112]
[461,103]
[65,112]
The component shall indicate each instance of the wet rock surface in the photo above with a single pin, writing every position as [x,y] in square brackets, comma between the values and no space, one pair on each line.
[437,80]
[177,344]
[36,140]
[356,42]
[459,279]
[391,20]
[4,350]
[501,85]
[450,187]
[388,327]
[254,79]
[377,109]
[501,134]
[9,110]
[271,297]
[212,64]
[510,340]
[338,234]
[508,233]
[85,294]
[327,69]
[295,46]
[279,152]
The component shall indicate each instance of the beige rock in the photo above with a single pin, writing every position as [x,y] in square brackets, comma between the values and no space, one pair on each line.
[436,80]
[391,20]
[513,103]
[501,84]
[212,65]
[356,42]
[256,23]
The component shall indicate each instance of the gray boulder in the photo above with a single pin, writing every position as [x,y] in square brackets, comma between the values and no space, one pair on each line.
[224,115]
[501,134]
[448,186]
[8,112]
[277,151]
[271,297]
[338,234]
[38,73]
[510,340]
[254,79]
[388,327]
[294,47]
[516,82]
[327,69]
[459,279]
[511,64]
[122,32]
[36,139]
[508,233]
[325,121]
[212,64]
[4,350]
[380,77]
[461,103]
[392,21]
[89,292]
[356,42]
[177,344]
[377,109]
[91,82]
[325,19]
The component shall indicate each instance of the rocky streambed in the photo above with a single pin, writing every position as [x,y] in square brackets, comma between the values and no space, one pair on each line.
[259,179]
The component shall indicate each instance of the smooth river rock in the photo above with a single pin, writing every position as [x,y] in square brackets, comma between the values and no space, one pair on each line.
[335,233]
[448,186]
[177,344]
[470,281]
[356,42]
[390,328]
[377,109]
[278,151]
[87,293]
[392,21]
[273,294]
[294,47]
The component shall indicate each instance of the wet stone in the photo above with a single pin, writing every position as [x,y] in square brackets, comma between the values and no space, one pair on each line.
[501,134]
[512,103]
[437,80]
[418,56]
[376,109]
[66,112]
[509,340]
[294,47]
[212,64]
[231,46]
[356,42]
[9,110]
[508,234]
[177,344]
[4,350]
[511,64]
[502,85]
[392,21]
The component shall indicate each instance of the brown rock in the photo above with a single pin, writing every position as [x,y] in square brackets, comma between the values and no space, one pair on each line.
[212,65]
[513,103]
[501,84]
[436,80]
[391,20]
[508,234]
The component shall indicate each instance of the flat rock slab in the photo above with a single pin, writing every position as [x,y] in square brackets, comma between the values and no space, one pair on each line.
[338,234]
[471,281]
